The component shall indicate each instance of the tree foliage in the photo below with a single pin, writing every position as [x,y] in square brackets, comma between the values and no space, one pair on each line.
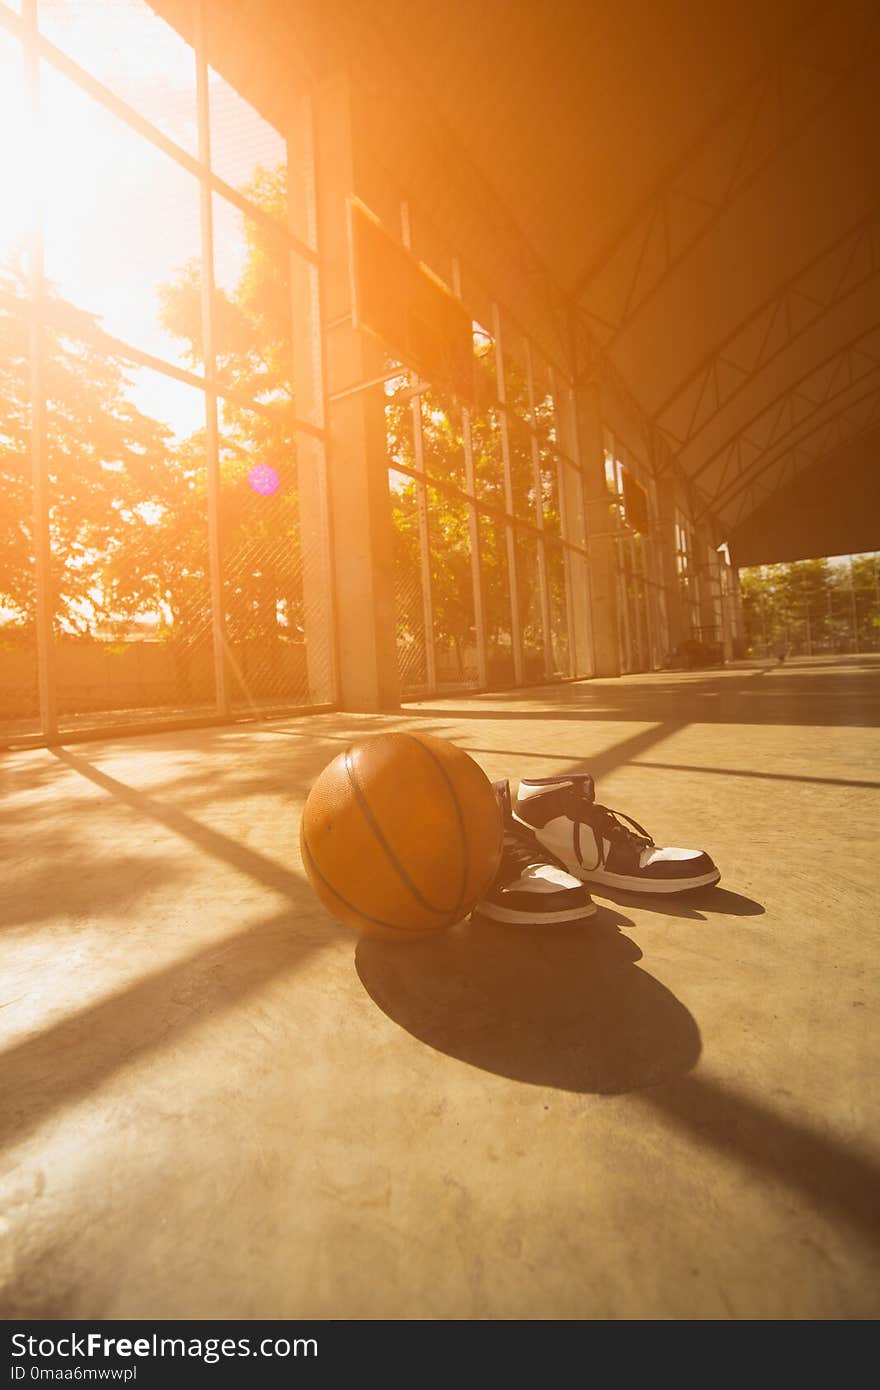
[813,606]
[101,453]
[533,475]
[259,533]
[128,502]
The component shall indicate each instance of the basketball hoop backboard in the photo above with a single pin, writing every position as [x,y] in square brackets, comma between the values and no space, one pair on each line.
[399,300]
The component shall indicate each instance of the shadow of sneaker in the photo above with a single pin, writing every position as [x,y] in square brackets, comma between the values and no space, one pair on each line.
[561,1006]
[692,904]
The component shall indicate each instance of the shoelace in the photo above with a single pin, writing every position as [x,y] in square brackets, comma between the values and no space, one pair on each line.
[607,825]
[520,849]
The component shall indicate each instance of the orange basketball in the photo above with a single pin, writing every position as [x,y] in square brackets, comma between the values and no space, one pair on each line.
[401,835]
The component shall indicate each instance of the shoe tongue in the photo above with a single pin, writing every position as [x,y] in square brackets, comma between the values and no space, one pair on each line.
[581,783]
[584,784]
[502,795]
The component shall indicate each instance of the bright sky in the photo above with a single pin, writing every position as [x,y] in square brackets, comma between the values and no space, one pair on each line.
[122,218]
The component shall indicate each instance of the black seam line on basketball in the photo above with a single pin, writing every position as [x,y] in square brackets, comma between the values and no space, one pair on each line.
[377,831]
[377,921]
[462,832]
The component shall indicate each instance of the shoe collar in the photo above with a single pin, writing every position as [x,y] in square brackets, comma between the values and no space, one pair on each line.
[551,797]
[581,783]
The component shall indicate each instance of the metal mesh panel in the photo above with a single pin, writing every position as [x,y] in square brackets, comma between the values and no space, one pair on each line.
[246,151]
[661,627]
[531,621]
[16,163]
[167,555]
[488,455]
[550,500]
[133,52]
[516,372]
[261,560]
[314,624]
[559,623]
[572,521]
[129,538]
[442,438]
[496,590]
[409,593]
[636,656]
[127,257]
[522,469]
[411,653]
[19,708]
[452,590]
[18,657]
[578,596]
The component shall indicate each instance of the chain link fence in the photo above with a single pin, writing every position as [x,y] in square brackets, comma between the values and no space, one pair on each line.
[158,561]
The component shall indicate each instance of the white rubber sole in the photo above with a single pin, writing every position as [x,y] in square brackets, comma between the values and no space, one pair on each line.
[514,918]
[601,878]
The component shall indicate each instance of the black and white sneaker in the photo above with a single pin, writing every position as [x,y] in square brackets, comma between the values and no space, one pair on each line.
[528,889]
[605,847]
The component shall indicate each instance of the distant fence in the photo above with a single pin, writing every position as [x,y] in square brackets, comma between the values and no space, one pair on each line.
[759,650]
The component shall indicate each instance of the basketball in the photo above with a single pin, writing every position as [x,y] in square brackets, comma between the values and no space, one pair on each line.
[401,835]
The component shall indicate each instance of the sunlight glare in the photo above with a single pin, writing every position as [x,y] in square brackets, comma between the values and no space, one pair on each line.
[133,52]
[121,217]
[16,155]
[263,479]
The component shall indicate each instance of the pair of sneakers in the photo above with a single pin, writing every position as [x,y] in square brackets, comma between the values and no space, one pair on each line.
[557,838]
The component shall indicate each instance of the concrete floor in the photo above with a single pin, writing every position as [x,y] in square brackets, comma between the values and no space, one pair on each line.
[218,1103]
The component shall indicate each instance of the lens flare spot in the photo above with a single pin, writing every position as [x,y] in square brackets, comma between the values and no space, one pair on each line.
[263,479]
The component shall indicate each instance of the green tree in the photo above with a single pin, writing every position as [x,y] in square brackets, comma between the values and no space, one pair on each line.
[259,532]
[856,603]
[450,542]
[98,446]
[812,606]
[128,516]
[160,564]
[758,609]
[866,582]
[802,590]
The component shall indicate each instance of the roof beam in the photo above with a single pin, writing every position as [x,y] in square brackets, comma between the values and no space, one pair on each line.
[845,363]
[802,301]
[761,103]
[839,436]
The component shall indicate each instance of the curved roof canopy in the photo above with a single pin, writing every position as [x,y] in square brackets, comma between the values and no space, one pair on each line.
[701,184]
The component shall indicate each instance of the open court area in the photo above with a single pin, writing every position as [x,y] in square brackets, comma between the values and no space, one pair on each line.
[218,1103]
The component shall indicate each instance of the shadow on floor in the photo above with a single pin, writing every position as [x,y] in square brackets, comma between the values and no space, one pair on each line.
[692,906]
[572,1010]
[847,695]
[70,1059]
[860,784]
[600,762]
[841,1182]
[564,1007]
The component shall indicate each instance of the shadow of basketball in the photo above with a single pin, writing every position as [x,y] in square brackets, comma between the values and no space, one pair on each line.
[564,1007]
